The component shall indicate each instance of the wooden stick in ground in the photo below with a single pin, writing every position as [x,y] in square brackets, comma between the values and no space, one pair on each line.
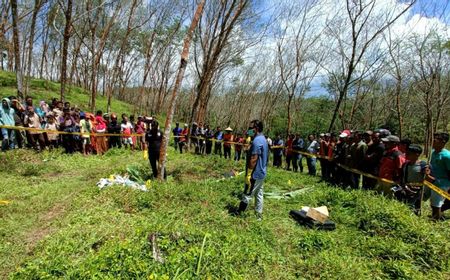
[173,100]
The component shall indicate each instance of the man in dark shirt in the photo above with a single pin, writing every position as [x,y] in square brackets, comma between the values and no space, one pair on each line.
[208,143]
[372,160]
[114,128]
[298,146]
[176,133]
[153,137]
[277,148]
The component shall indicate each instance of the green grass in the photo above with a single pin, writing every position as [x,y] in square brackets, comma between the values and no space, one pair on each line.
[59,225]
[47,90]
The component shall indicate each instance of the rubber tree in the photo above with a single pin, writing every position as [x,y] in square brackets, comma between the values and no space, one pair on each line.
[176,88]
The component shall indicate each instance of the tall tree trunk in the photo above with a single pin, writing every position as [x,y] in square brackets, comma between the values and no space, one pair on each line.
[119,57]
[37,7]
[66,37]
[179,79]
[289,118]
[97,55]
[17,66]
[398,91]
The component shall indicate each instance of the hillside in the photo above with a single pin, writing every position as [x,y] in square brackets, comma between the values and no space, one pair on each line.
[60,225]
[46,90]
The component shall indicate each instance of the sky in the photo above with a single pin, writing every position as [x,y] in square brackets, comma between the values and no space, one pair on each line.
[423,16]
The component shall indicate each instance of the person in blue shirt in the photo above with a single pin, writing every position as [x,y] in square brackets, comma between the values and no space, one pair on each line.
[298,146]
[313,148]
[440,168]
[218,144]
[176,133]
[7,118]
[256,169]
[278,148]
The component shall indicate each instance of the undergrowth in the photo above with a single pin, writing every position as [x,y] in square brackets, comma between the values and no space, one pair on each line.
[60,225]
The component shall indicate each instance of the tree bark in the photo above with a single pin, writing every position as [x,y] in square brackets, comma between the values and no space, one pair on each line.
[119,57]
[66,38]
[179,79]
[17,65]
[37,7]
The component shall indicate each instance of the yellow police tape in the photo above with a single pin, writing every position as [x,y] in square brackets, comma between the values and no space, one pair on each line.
[40,130]
[4,202]
[356,171]
[426,183]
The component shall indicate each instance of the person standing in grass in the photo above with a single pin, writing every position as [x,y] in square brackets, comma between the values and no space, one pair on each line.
[256,169]
[375,151]
[19,116]
[114,128]
[298,146]
[313,148]
[440,167]
[218,144]
[7,118]
[358,154]
[277,148]
[32,120]
[238,147]
[227,138]
[51,125]
[208,136]
[390,164]
[126,128]
[412,175]
[288,152]
[176,135]
[140,129]
[154,138]
[100,128]
[183,137]
[85,127]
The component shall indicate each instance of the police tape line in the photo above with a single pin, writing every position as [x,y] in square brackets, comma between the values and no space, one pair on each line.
[101,134]
[356,171]
[217,141]
[96,134]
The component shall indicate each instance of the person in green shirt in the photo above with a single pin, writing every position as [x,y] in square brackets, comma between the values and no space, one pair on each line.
[440,168]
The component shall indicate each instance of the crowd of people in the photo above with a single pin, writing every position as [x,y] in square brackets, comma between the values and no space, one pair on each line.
[49,125]
[354,159]
[375,153]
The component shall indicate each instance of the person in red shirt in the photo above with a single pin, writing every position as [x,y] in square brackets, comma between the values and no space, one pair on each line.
[227,138]
[238,146]
[289,151]
[390,164]
[183,137]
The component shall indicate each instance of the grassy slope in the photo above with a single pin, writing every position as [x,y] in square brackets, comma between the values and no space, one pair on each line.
[60,225]
[46,90]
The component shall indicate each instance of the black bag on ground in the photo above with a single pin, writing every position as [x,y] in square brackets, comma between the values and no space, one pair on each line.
[301,218]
